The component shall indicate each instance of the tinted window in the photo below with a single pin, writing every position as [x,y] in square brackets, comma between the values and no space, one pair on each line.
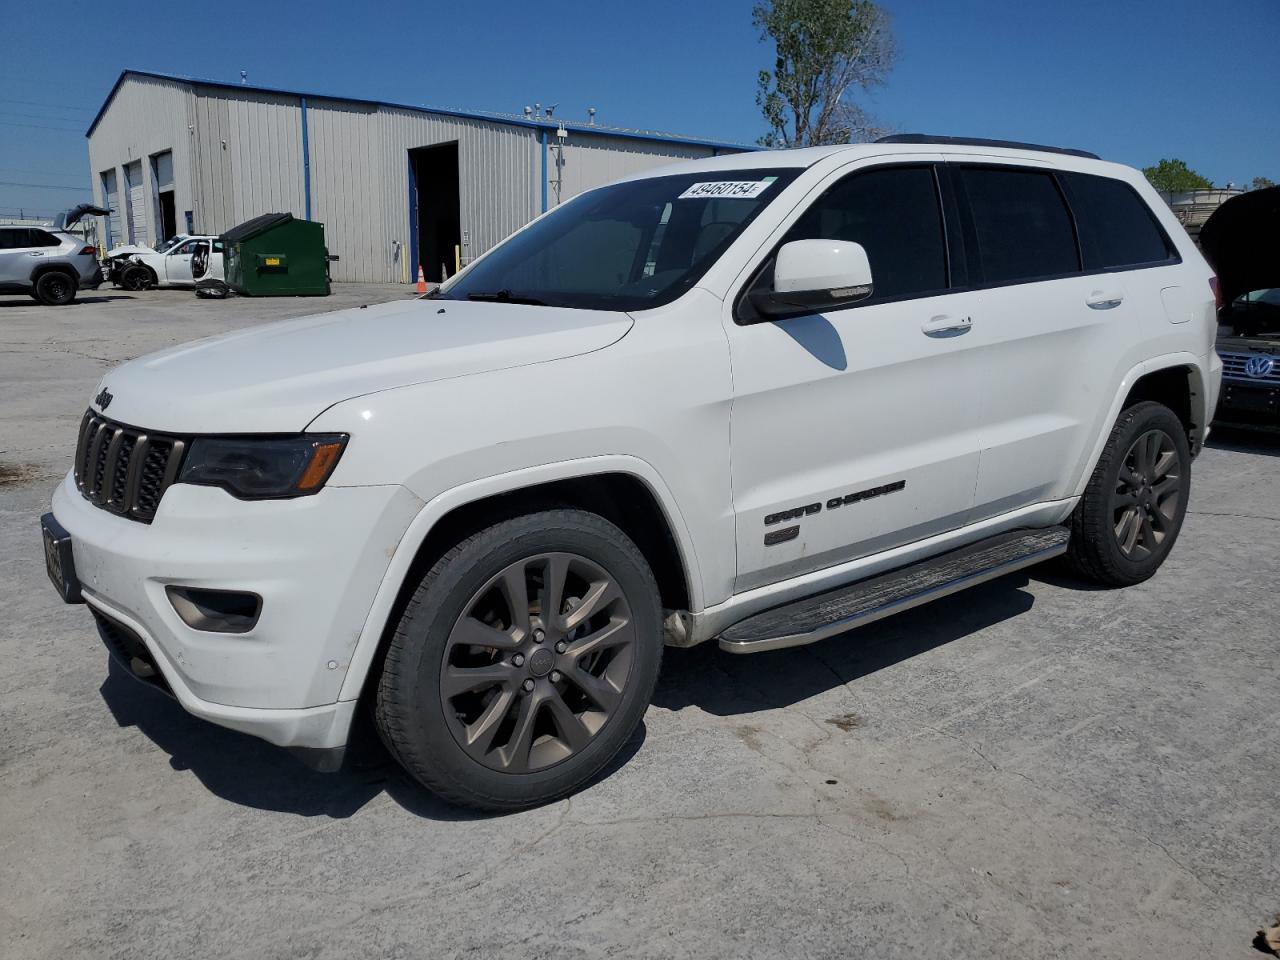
[11,238]
[893,212]
[1022,226]
[41,239]
[1116,227]
[628,246]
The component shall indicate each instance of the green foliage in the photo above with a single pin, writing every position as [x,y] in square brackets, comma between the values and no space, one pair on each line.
[1174,176]
[1261,183]
[823,50]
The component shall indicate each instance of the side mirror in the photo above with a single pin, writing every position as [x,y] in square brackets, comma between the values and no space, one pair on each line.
[815,275]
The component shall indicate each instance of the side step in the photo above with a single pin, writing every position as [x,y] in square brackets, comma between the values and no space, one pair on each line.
[826,614]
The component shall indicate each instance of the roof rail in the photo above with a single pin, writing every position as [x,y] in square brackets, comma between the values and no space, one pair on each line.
[980,142]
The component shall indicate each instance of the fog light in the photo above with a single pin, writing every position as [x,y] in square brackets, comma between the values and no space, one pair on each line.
[216,611]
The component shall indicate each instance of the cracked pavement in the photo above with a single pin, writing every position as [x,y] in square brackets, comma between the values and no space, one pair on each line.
[1031,769]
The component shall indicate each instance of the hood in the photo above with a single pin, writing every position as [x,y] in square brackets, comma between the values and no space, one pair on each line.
[1241,240]
[128,250]
[279,377]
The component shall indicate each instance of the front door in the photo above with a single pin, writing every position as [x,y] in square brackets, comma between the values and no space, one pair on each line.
[854,431]
[177,264]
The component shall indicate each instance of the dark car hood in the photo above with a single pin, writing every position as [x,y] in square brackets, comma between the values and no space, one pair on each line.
[1241,240]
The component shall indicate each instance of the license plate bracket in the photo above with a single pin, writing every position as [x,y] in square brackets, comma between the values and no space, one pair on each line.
[59,561]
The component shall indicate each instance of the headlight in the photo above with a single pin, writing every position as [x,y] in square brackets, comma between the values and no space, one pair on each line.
[261,468]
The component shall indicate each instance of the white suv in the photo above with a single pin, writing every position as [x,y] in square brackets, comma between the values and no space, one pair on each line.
[761,398]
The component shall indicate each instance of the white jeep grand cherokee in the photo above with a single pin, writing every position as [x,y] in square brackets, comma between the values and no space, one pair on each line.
[762,398]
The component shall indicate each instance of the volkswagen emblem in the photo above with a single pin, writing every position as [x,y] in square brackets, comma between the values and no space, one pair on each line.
[1259,367]
[103,399]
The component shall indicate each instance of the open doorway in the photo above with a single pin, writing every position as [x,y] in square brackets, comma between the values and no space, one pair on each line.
[434,208]
[162,177]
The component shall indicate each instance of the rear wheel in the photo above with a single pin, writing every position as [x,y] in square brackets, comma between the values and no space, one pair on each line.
[55,288]
[1132,511]
[524,661]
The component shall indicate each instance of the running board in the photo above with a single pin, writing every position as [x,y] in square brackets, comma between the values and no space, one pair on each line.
[815,618]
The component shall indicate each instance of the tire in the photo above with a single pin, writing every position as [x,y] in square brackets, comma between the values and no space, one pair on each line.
[1132,510]
[56,288]
[497,710]
[136,277]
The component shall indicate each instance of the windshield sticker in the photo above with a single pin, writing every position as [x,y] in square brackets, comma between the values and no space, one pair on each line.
[734,189]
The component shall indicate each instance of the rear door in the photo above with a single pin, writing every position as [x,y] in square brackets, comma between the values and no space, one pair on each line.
[853,431]
[1053,340]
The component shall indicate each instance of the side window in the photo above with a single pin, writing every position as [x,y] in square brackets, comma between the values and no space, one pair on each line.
[1116,227]
[186,249]
[893,212]
[38,238]
[1023,228]
[9,238]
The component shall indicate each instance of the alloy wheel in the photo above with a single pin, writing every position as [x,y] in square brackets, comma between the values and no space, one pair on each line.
[537,663]
[1148,492]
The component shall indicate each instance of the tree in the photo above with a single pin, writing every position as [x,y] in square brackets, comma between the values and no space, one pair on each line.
[1174,176]
[1261,183]
[824,49]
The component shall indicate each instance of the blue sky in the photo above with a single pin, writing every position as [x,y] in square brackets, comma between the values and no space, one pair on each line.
[1130,79]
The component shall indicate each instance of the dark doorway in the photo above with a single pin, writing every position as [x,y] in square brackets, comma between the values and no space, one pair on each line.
[168,215]
[435,199]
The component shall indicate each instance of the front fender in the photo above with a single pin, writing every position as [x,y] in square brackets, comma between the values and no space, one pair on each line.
[432,512]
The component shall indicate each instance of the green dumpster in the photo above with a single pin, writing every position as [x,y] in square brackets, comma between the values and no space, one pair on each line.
[275,255]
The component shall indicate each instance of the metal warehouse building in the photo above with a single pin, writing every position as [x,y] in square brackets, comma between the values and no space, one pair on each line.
[394,185]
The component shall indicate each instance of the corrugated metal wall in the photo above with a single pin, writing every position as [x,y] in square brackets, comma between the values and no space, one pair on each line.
[496,170]
[243,158]
[248,157]
[592,160]
[146,117]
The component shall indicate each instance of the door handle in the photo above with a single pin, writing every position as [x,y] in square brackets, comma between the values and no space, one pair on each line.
[1105,299]
[945,325]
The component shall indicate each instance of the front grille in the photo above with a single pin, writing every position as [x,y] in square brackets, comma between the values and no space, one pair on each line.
[1233,365]
[123,469]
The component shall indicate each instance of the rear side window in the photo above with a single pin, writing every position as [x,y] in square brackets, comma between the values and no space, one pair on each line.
[41,239]
[1117,229]
[1022,226]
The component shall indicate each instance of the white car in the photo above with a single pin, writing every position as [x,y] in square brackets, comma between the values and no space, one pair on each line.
[180,264]
[762,398]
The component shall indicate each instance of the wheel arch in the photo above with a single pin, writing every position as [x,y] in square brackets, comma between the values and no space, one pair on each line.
[1178,380]
[625,490]
[57,266]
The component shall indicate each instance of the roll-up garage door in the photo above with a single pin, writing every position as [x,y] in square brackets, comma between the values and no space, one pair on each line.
[111,197]
[137,209]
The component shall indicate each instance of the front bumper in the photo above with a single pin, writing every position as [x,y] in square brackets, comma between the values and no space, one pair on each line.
[1249,403]
[315,561]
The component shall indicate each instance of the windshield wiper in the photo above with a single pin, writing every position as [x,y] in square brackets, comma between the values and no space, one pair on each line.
[506,296]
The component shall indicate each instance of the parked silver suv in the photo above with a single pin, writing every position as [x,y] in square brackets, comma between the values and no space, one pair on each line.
[49,264]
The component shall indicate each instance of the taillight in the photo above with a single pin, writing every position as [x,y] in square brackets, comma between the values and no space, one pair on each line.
[89,252]
[1216,287]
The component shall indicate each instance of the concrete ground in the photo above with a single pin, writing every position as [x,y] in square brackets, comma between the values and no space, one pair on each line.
[1031,769]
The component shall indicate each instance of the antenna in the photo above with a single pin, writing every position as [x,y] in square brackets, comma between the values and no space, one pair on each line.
[244,77]
[591,116]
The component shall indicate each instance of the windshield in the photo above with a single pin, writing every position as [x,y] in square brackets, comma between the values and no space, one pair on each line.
[629,246]
[171,242]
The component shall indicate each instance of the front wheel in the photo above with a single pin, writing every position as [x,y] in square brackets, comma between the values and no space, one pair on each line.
[1132,510]
[524,661]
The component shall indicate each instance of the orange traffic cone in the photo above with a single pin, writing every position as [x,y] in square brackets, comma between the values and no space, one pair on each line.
[422,280]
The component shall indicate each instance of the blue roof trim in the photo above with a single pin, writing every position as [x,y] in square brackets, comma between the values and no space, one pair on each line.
[536,124]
